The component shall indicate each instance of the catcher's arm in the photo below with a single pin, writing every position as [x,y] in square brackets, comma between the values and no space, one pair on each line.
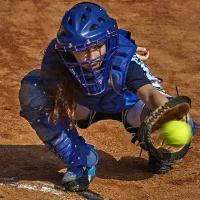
[151,97]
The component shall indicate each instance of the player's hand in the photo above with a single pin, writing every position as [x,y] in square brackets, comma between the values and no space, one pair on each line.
[143,53]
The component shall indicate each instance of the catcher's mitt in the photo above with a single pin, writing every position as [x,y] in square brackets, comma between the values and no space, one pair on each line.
[150,135]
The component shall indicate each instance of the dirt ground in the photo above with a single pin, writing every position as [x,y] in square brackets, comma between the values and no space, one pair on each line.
[169,29]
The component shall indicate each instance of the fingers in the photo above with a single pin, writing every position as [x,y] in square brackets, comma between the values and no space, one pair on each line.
[144,57]
[143,53]
[141,49]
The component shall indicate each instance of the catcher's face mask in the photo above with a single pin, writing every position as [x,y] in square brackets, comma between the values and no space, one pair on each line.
[86,43]
[91,54]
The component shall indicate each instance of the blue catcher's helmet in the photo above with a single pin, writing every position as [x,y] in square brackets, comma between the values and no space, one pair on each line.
[84,26]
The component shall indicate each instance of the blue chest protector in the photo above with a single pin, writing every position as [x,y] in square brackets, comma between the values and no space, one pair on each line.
[115,98]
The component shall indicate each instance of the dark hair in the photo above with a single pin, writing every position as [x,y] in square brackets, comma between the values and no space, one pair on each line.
[65,94]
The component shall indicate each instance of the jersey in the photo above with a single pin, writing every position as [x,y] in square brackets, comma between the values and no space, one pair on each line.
[136,77]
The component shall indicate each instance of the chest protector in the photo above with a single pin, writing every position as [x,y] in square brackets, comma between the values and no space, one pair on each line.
[116,98]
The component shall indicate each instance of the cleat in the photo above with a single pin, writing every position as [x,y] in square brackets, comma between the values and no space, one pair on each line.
[78,179]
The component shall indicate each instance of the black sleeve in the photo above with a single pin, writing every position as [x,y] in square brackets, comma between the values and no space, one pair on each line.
[136,77]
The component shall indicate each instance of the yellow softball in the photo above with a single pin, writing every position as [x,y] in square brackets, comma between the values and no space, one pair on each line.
[177,132]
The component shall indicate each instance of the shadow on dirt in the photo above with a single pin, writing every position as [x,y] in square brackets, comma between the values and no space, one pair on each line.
[127,168]
[37,163]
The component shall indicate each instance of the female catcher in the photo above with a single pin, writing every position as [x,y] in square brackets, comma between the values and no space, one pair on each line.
[91,71]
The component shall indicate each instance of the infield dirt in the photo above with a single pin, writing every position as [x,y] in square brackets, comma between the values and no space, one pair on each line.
[169,30]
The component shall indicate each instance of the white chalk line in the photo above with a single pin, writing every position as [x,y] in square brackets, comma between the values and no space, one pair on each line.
[47,188]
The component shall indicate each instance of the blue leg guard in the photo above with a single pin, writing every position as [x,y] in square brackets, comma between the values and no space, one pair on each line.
[66,143]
